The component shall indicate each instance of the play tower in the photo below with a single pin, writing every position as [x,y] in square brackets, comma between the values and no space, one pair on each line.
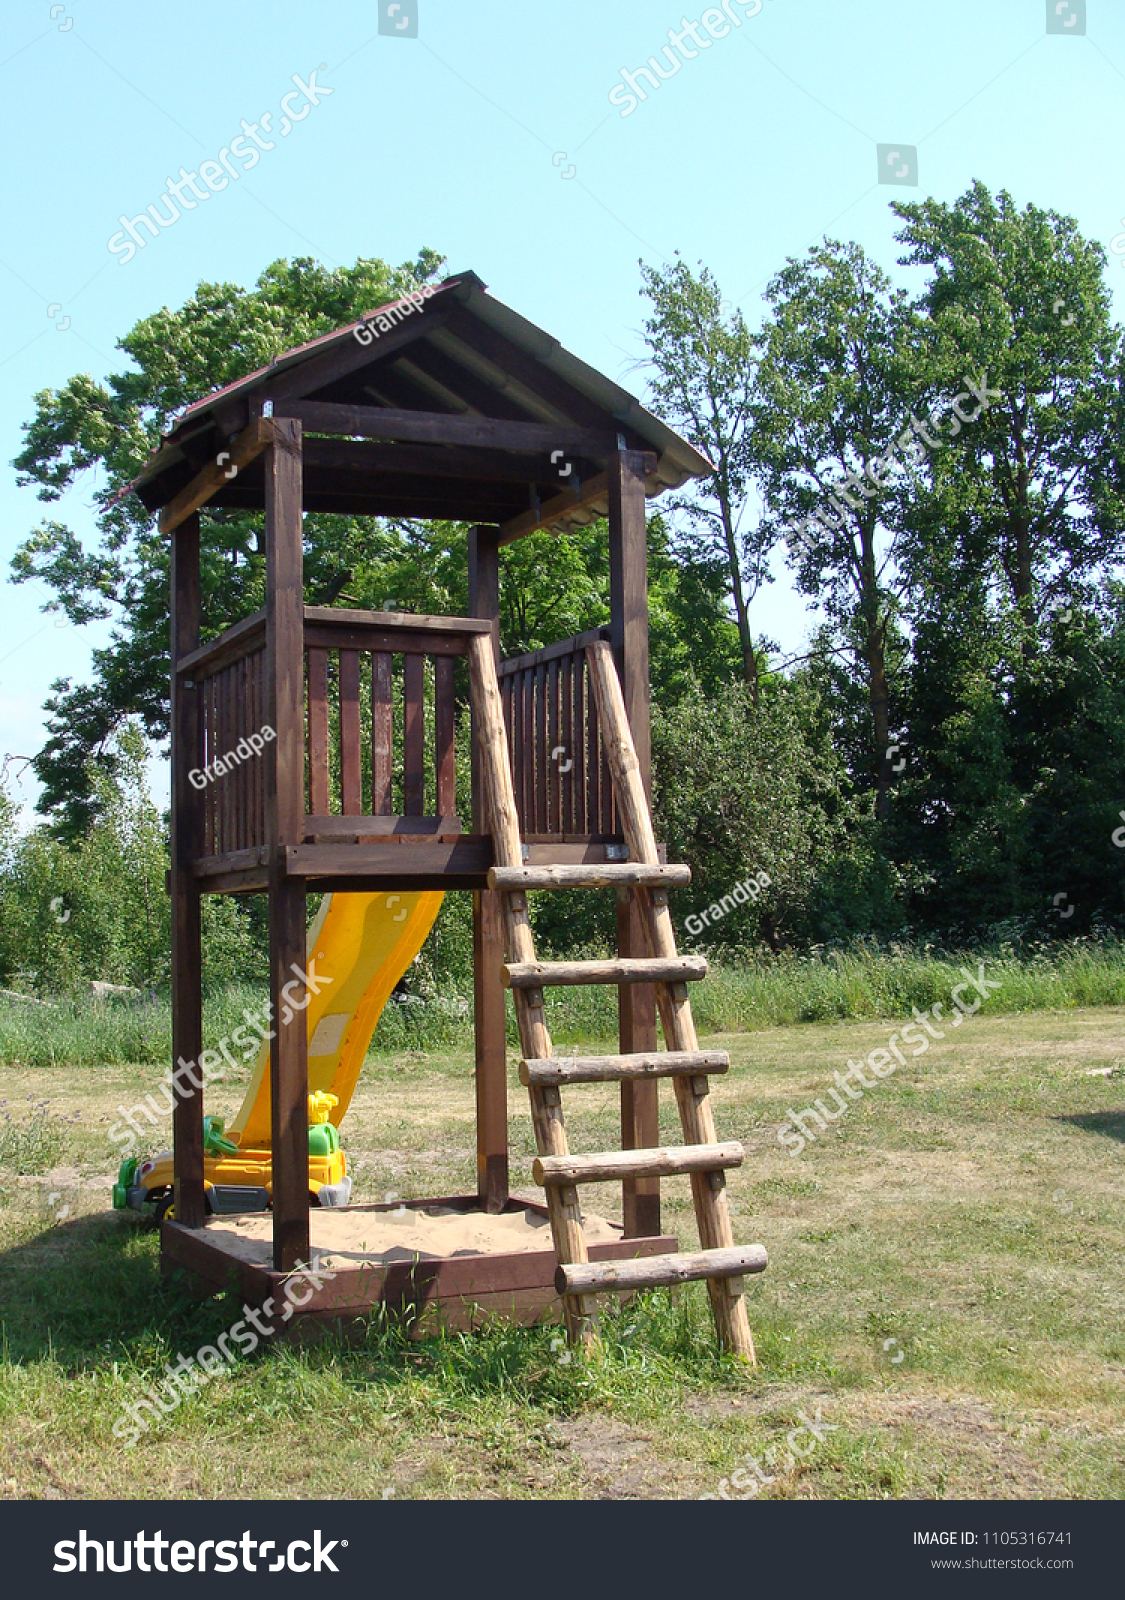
[457,409]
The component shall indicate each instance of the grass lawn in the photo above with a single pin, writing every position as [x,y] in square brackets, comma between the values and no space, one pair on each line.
[946,1285]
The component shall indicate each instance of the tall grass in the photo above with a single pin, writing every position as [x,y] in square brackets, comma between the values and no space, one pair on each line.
[743,993]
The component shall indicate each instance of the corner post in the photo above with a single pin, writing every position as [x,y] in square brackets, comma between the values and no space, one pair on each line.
[489,1001]
[285,814]
[187,846]
[628,585]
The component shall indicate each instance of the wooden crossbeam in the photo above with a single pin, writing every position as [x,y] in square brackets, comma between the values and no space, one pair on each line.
[446,428]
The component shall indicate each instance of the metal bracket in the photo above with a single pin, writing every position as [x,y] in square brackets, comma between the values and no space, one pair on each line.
[617,852]
[525,852]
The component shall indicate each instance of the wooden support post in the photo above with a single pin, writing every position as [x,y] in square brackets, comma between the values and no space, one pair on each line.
[187,846]
[636,1007]
[489,1003]
[285,814]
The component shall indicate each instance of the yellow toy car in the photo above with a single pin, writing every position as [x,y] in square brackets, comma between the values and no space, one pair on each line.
[237,1179]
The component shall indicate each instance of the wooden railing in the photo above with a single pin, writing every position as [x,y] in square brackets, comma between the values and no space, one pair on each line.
[559,769]
[381,722]
[380,756]
[229,676]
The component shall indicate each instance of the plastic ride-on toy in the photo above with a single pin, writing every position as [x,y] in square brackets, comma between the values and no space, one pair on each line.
[238,1179]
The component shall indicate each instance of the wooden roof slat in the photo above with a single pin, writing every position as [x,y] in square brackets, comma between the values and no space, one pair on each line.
[348,356]
[474,391]
[592,490]
[511,359]
[433,390]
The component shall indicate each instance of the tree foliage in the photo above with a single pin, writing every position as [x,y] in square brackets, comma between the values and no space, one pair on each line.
[946,469]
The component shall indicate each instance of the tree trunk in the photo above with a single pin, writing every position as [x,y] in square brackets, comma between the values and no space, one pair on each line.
[880,699]
[749,654]
[875,659]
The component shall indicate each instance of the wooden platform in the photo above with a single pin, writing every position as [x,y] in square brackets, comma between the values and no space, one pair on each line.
[457,1292]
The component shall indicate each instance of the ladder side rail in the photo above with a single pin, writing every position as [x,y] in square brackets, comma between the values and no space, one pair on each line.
[692,1094]
[535,1039]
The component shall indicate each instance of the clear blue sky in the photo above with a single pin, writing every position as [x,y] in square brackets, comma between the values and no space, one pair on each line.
[490,136]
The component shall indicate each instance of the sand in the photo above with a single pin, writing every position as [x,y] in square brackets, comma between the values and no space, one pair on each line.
[343,1237]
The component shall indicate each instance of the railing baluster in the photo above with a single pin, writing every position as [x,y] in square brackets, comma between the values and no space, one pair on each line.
[242,772]
[445,767]
[318,732]
[608,823]
[593,765]
[515,734]
[206,690]
[382,735]
[414,737]
[578,742]
[543,776]
[554,764]
[225,744]
[351,768]
[529,774]
[258,811]
[566,739]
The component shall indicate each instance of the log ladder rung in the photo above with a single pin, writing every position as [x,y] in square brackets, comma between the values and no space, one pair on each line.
[659,1272]
[612,1165]
[620,1069]
[572,974]
[599,875]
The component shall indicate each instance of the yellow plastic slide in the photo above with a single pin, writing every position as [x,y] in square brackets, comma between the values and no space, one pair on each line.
[359,946]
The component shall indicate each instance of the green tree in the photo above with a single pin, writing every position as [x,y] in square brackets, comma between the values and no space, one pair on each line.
[741,788]
[830,408]
[703,364]
[220,334]
[1017,301]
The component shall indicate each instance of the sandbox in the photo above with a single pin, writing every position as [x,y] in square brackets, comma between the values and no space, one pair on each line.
[431,1262]
[350,1236]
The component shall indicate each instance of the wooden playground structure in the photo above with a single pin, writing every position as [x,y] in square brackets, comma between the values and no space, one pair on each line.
[466,412]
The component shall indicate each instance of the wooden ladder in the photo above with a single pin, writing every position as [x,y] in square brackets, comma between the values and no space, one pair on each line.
[720,1262]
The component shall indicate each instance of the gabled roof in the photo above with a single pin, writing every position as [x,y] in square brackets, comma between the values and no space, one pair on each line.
[456,353]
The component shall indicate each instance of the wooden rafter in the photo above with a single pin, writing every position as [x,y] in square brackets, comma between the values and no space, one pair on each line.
[242,450]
